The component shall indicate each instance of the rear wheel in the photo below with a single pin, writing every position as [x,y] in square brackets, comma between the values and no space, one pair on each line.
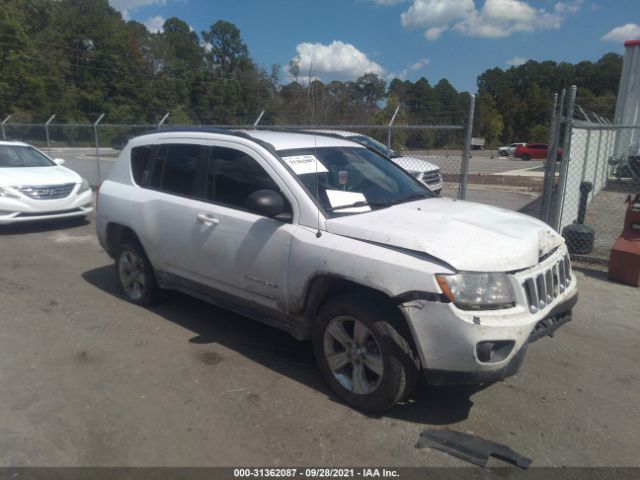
[135,275]
[361,354]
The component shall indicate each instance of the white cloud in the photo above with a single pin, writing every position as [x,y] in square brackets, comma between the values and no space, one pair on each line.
[568,7]
[337,60]
[496,18]
[630,31]
[434,33]
[516,61]
[402,74]
[126,6]
[388,3]
[154,24]
[423,62]
[435,13]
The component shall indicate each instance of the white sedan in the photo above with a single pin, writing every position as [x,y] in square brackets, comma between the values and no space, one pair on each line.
[35,187]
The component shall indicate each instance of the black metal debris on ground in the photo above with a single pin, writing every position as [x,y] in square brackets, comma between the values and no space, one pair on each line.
[470,448]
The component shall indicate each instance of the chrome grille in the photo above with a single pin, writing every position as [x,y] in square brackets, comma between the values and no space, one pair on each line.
[544,287]
[46,192]
[431,177]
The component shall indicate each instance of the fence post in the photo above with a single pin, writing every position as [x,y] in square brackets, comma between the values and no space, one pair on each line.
[46,132]
[161,122]
[464,172]
[547,188]
[95,133]
[393,119]
[552,165]
[255,124]
[566,156]
[4,135]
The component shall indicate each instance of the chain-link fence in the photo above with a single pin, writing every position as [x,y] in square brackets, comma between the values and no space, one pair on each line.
[435,154]
[586,191]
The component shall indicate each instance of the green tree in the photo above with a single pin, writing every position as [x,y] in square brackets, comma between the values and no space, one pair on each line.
[228,52]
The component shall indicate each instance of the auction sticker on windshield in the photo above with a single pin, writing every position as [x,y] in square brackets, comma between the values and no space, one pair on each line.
[303,164]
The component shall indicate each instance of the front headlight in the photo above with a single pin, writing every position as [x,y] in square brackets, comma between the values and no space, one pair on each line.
[6,193]
[478,291]
[84,186]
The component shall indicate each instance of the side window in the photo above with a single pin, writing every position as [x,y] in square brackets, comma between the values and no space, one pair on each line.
[233,175]
[175,169]
[141,163]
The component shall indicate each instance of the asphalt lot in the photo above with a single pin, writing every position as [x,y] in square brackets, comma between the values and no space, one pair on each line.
[89,379]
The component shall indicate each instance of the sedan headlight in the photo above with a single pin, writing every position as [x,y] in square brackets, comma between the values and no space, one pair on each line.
[84,186]
[6,193]
[478,291]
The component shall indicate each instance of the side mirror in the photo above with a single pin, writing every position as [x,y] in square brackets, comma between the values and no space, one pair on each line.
[58,161]
[267,203]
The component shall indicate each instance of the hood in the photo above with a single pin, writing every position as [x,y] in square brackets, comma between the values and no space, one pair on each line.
[413,164]
[54,175]
[468,236]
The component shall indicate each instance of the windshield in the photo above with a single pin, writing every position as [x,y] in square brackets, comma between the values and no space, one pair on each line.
[22,156]
[346,180]
[376,145]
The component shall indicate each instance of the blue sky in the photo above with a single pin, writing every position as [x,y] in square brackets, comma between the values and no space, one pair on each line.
[409,39]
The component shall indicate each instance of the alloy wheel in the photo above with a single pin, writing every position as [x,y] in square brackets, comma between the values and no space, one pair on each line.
[353,355]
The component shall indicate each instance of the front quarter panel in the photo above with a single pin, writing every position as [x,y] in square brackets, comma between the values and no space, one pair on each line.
[386,269]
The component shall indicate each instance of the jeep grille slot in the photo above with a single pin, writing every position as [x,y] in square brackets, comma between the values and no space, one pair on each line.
[542,288]
[431,177]
[46,192]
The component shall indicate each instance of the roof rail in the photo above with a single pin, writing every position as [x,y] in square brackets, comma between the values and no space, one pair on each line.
[225,131]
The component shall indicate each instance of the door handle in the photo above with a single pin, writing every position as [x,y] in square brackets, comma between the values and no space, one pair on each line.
[206,218]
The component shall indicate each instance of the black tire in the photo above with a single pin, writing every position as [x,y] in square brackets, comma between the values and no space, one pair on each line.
[525,157]
[147,292]
[400,367]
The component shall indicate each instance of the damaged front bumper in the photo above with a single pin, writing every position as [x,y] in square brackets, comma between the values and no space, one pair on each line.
[461,348]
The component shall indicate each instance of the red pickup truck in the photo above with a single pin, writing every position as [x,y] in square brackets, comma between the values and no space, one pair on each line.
[537,151]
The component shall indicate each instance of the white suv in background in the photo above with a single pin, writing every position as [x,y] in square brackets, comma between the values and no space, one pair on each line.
[35,187]
[425,171]
[330,241]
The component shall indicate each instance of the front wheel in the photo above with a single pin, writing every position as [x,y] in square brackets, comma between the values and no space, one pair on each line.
[525,157]
[361,355]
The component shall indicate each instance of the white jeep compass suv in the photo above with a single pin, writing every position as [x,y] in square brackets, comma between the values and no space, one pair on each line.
[330,241]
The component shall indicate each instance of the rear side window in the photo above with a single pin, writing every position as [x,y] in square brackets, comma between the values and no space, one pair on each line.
[141,163]
[180,169]
[233,175]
